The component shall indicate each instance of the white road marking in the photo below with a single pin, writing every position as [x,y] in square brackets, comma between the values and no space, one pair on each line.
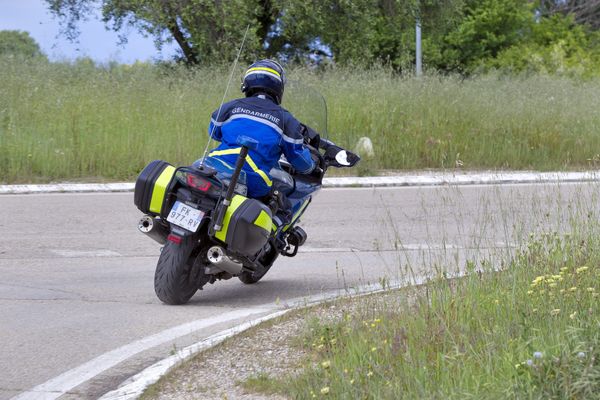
[404,247]
[56,387]
[135,386]
[86,253]
[417,179]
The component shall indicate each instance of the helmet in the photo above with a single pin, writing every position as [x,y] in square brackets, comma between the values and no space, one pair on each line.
[266,76]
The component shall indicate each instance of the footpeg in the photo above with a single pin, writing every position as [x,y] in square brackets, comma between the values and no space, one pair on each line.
[295,238]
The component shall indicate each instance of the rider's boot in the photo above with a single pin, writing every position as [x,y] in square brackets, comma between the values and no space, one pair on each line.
[281,208]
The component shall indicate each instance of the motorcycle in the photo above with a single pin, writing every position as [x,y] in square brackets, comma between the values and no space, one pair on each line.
[211,231]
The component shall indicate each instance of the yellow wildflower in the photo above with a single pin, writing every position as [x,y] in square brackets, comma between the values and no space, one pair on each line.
[325,390]
[352,381]
[556,277]
[370,374]
[573,289]
[554,312]
[539,279]
[590,289]
[573,315]
[581,269]
[373,349]
[326,364]
[530,292]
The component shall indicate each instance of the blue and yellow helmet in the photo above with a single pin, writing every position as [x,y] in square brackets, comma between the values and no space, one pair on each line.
[264,76]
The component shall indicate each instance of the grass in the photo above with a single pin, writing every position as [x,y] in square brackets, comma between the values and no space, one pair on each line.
[79,121]
[531,331]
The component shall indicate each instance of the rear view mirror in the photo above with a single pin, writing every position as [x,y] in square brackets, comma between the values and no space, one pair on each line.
[338,157]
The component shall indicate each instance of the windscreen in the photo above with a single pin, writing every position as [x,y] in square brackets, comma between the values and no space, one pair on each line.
[307,105]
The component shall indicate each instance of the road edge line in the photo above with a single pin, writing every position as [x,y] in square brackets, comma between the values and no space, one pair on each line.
[424,179]
[62,384]
[133,387]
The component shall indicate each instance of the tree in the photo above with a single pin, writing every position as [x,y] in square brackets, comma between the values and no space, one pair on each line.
[557,45]
[583,11]
[367,32]
[349,31]
[18,43]
[488,28]
[205,30]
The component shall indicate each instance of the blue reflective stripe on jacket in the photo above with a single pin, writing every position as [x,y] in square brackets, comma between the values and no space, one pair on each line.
[275,129]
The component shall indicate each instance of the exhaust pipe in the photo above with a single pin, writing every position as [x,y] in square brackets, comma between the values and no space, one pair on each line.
[153,228]
[217,258]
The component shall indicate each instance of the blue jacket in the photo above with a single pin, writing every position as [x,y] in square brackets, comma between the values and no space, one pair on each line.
[275,129]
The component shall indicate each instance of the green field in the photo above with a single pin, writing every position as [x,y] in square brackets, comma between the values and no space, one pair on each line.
[530,331]
[80,121]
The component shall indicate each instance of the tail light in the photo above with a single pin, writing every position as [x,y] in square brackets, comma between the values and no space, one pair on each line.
[199,183]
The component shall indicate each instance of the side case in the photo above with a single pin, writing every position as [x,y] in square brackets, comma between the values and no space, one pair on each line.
[246,226]
[151,187]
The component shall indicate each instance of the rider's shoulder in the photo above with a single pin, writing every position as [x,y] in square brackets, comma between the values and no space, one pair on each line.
[288,116]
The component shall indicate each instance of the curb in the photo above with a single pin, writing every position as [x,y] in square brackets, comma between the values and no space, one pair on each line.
[422,179]
[133,387]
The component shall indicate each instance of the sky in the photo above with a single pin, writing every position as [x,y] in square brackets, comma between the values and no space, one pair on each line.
[95,41]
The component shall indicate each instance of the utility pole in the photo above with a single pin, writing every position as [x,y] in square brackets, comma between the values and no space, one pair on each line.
[419,53]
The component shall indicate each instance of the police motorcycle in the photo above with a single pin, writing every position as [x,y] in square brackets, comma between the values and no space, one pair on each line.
[211,231]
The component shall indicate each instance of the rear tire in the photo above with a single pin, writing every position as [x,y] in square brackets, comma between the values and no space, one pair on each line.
[174,282]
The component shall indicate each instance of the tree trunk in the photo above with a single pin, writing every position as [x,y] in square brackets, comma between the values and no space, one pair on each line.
[191,55]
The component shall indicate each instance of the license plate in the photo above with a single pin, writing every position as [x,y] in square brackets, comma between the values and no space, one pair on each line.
[185,216]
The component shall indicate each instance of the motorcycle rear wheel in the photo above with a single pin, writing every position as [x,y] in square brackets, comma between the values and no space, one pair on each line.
[174,281]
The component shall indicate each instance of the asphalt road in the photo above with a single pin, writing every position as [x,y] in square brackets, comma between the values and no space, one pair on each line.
[77,278]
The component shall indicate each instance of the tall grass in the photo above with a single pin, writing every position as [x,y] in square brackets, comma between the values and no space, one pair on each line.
[531,331]
[69,121]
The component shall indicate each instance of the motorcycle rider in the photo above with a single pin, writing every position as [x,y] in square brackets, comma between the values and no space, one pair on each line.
[260,116]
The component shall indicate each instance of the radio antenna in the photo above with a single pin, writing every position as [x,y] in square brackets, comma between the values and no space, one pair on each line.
[210,136]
